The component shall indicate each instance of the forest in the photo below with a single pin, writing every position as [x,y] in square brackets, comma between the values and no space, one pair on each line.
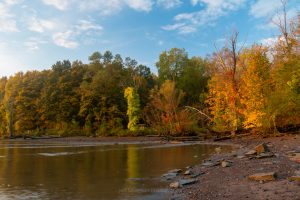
[236,89]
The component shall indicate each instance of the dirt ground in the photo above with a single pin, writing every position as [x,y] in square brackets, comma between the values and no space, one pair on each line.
[233,183]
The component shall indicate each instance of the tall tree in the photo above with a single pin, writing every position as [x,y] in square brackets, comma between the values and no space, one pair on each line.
[133,108]
[255,88]
[224,87]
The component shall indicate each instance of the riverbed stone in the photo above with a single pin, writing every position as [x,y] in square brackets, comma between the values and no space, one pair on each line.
[225,164]
[262,148]
[209,164]
[251,153]
[269,176]
[197,174]
[184,182]
[265,155]
[241,157]
[175,185]
[295,157]
[188,172]
[218,149]
[175,171]
[169,176]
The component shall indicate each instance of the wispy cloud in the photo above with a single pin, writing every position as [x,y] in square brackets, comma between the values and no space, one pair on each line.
[140,5]
[8,21]
[58,4]
[189,22]
[69,39]
[264,8]
[65,39]
[40,25]
[33,44]
[103,7]
[168,4]
[85,25]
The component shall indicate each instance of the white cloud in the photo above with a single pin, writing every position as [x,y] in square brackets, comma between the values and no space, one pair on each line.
[40,25]
[271,10]
[65,39]
[212,11]
[195,2]
[173,26]
[264,8]
[85,25]
[168,4]
[33,43]
[71,38]
[181,27]
[104,7]
[32,46]
[140,5]
[8,22]
[269,42]
[12,2]
[58,4]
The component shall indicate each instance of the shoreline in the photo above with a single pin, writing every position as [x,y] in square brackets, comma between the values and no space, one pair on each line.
[217,182]
[232,182]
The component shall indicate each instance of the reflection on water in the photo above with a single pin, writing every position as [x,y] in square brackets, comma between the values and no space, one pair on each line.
[91,172]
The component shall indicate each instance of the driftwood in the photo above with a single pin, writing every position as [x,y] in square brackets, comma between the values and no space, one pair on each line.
[184,139]
[42,137]
[223,138]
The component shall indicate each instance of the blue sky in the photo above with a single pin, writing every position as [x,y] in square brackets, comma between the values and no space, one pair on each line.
[34,34]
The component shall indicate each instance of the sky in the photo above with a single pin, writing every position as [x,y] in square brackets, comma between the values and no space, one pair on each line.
[34,34]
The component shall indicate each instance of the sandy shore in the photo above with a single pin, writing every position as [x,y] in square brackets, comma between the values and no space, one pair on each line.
[233,183]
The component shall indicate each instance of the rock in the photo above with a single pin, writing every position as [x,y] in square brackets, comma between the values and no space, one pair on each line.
[184,182]
[251,153]
[175,185]
[241,157]
[196,175]
[175,171]
[295,157]
[218,149]
[225,164]
[209,164]
[187,172]
[169,176]
[265,155]
[262,148]
[270,176]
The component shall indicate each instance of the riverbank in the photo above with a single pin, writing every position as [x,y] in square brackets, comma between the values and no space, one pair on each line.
[216,182]
[232,182]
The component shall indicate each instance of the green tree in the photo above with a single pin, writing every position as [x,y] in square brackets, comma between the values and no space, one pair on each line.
[171,64]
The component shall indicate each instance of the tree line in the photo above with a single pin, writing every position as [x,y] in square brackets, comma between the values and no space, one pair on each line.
[235,89]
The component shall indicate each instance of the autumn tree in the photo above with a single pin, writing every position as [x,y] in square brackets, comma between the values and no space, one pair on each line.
[133,108]
[165,114]
[255,88]
[223,97]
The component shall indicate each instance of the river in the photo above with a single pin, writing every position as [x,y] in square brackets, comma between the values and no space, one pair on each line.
[92,172]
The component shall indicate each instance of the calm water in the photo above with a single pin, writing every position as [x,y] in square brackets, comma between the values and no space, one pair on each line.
[64,172]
